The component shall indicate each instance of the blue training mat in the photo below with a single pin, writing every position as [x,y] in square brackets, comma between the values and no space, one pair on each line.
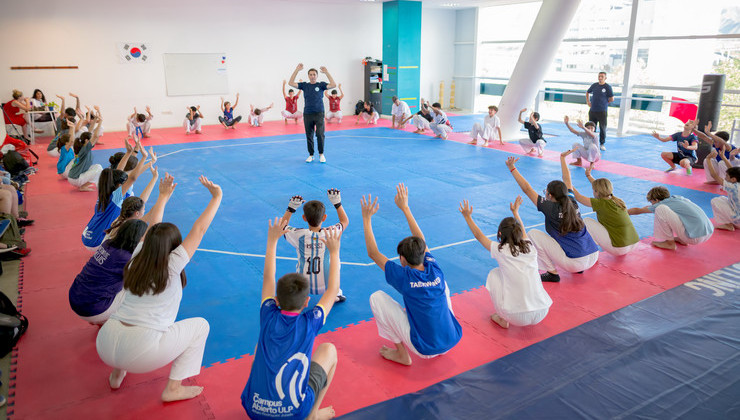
[674,355]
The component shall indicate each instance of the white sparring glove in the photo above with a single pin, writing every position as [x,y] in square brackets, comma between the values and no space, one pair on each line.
[295,202]
[334,197]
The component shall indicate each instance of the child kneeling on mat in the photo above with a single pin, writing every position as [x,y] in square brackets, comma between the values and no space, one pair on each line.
[726,209]
[515,286]
[428,326]
[284,350]
[677,219]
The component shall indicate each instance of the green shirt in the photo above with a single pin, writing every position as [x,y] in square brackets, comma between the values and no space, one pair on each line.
[82,162]
[616,221]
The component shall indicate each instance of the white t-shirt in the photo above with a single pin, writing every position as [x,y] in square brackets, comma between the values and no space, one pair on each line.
[522,286]
[493,122]
[157,312]
[401,111]
[311,250]
[733,196]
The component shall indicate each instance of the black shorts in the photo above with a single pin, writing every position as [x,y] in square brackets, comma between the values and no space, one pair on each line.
[677,158]
[316,378]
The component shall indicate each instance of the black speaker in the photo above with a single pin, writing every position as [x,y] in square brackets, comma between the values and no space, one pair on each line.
[710,102]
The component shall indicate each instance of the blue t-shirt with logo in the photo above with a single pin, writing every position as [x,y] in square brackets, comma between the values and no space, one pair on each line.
[600,95]
[574,244]
[278,382]
[94,232]
[679,138]
[313,96]
[434,329]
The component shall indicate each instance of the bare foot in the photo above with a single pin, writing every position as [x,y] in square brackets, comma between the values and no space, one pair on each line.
[679,241]
[501,141]
[395,356]
[323,414]
[197,131]
[670,245]
[726,226]
[500,321]
[115,378]
[181,393]
[473,142]
[146,136]
[485,144]
[576,163]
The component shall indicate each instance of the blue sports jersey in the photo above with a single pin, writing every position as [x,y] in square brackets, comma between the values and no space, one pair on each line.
[434,329]
[311,255]
[94,232]
[313,96]
[679,138]
[277,387]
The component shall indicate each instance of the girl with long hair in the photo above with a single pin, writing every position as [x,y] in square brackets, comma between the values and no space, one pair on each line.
[142,335]
[613,230]
[515,286]
[567,244]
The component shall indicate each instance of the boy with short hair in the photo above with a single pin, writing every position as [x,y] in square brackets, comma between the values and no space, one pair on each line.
[491,129]
[536,141]
[686,143]
[284,349]
[139,123]
[308,242]
[257,114]
[719,142]
[428,326]
[439,125]
[334,110]
[589,150]
[291,111]
[677,219]
[726,209]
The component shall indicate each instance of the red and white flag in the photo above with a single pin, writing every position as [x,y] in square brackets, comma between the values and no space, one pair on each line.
[133,52]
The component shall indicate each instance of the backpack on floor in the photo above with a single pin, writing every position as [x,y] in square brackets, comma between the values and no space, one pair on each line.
[14,162]
[359,107]
[12,235]
[12,325]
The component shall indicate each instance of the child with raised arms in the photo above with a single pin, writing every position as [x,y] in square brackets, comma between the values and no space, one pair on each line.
[686,144]
[427,327]
[228,120]
[719,142]
[515,286]
[140,124]
[726,209]
[536,141]
[613,230]
[567,244]
[310,249]
[291,111]
[193,120]
[589,150]
[257,114]
[335,111]
[83,174]
[285,346]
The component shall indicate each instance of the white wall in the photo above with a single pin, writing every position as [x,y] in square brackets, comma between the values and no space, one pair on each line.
[263,41]
[437,52]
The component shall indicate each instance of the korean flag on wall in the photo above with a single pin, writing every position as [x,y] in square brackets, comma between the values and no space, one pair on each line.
[133,52]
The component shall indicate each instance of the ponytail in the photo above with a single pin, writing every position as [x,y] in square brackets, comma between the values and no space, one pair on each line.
[603,189]
[571,220]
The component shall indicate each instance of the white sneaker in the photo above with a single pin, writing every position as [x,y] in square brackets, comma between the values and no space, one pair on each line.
[322,159]
[603,147]
[309,159]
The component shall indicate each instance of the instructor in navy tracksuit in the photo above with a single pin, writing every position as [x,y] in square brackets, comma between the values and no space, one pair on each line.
[598,97]
[313,111]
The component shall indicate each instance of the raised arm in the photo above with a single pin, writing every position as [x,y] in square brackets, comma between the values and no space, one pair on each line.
[565,170]
[369,208]
[534,122]
[658,136]
[140,167]
[521,121]
[274,232]
[523,184]
[77,103]
[166,188]
[331,240]
[149,112]
[222,104]
[514,207]
[567,124]
[150,186]
[129,151]
[199,111]
[467,211]
[236,102]
[201,224]
[341,93]
[402,201]
[285,93]
[332,84]
[96,132]
[292,82]
[586,201]
[335,198]
[713,172]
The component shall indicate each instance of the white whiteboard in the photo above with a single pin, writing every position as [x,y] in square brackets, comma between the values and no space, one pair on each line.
[196,74]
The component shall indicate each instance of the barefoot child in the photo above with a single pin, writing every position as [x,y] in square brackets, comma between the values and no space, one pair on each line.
[515,286]
[285,346]
[369,114]
[228,120]
[257,114]
[726,209]
[677,220]
[536,141]
[83,174]
[589,150]
[422,118]
[400,113]
[686,143]
[427,327]
[613,230]
[491,129]
[140,124]
[334,109]
[291,111]
[718,141]
[310,249]
[193,120]
[439,124]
